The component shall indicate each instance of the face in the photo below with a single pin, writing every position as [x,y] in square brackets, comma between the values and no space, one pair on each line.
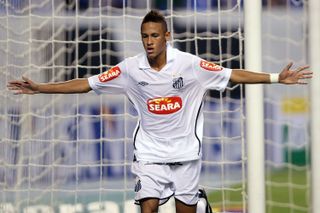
[154,39]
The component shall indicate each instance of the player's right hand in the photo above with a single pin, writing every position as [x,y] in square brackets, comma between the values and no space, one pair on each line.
[24,86]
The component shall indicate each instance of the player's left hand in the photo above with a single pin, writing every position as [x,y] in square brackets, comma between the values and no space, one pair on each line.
[296,76]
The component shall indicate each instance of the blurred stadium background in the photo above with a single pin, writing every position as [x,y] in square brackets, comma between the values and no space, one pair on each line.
[72,153]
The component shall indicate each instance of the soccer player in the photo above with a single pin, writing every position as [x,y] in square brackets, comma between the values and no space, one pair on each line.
[167,87]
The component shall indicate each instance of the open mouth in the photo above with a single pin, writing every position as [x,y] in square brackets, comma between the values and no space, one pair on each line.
[150,50]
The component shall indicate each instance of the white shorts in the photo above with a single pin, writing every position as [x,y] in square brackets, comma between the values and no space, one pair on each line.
[165,180]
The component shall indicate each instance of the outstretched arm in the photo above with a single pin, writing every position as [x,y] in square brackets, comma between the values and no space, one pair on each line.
[26,86]
[287,76]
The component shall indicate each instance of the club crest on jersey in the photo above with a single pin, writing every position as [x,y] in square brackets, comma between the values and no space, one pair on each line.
[164,105]
[177,83]
[112,73]
[210,66]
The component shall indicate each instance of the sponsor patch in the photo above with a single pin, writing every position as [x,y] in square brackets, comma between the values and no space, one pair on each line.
[112,73]
[210,66]
[164,105]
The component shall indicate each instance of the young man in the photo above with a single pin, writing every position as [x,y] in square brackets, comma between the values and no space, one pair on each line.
[167,87]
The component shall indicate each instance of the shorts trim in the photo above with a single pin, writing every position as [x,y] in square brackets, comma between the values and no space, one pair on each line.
[186,203]
[161,200]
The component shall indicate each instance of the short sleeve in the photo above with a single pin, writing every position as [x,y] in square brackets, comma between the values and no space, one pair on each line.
[111,81]
[210,75]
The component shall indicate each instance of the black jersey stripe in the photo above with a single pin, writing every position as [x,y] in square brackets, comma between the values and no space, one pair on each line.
[196,123]
[135,135]
[195,127]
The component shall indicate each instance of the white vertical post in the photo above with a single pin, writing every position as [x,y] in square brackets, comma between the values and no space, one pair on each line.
[314,59]
[254,107]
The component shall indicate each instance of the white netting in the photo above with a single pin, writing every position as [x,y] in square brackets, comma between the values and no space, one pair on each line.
[72,153]
[287,120]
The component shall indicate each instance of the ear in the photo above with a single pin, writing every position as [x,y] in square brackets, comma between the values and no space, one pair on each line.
[168,36]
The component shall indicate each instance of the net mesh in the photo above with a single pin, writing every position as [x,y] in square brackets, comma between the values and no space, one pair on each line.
[286,109]
[72,153]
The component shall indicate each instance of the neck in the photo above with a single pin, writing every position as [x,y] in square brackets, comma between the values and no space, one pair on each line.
[158,62]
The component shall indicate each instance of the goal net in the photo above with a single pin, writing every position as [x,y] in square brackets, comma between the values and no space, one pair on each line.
[72,153]
[287,123]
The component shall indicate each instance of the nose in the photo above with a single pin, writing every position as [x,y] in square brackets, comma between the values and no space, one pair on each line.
[149,41]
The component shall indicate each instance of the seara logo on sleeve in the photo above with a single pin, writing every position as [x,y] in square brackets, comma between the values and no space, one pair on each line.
[210,66]
[112,73]
[164,105]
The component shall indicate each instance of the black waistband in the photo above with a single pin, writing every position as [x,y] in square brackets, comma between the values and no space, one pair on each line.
[168,164]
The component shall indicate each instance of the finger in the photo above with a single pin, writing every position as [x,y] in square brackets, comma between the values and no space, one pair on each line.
[306,74]
[302,68]
[288,66]
[15,82]
[13,88]
[18,85]
[305,77]
[17,92]
[25,79]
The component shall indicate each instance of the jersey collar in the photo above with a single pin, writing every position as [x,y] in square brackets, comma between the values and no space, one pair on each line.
[144,64]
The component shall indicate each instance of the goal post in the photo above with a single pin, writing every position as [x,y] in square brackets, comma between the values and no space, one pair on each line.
[254,107]
[314,53]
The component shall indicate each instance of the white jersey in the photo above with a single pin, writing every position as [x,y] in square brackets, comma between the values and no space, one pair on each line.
[168,102]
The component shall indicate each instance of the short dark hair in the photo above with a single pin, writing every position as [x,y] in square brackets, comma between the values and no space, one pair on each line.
[155,16]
